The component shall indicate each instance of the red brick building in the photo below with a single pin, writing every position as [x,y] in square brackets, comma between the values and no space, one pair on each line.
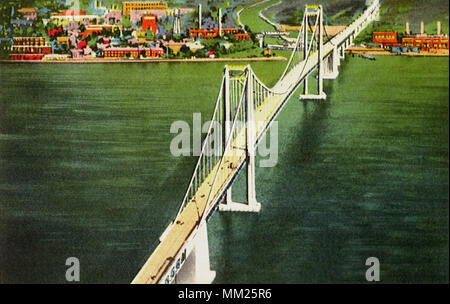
[210,34]
[150,22]
[98,29]
[385,38]
[29,48]
[390,39]
[242,36]
[426,43]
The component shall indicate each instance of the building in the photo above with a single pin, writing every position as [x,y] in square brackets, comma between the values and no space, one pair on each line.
[136,15]
[77,54]
[56,57]
[422,42]
[114,16]
[194,46]
[175,47]
[65,17]
[23,23]
[206,34]
[128,6]
[63,41]
[70,13]
[210,34]
[28,13]
[26,57]
[242,36]
[29,48]
[119,52]
[426,43]
[54,32]
[385,38]
[90,29]
[150,21]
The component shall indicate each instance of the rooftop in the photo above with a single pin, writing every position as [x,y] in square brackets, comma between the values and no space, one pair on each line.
[27,10]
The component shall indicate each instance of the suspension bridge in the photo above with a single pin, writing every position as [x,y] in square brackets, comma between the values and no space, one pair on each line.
[244,111]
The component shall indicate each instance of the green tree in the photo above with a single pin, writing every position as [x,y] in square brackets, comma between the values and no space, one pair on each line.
[126,21]
[18,32]
[149,35]
[30,32]
[296,17]
[92,43]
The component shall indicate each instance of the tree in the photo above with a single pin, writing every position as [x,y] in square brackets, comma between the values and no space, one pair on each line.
[126,21]
[92,43]
[149,35]
[18,31]
[296,17]
[30,32]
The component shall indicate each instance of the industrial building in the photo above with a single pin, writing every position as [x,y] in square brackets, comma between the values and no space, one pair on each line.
[407,41]
[128,6]
[29,48]
[119,52]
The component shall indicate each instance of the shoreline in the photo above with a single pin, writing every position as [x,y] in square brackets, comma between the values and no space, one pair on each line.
[382,52]
[120,60]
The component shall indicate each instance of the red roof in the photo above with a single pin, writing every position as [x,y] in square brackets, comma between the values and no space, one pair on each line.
[82,44]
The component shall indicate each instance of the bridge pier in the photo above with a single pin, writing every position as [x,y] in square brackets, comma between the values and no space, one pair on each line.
[196,268]
[331,65]
[341,52]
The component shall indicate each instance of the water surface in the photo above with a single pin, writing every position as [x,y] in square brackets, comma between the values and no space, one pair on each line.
[86,171]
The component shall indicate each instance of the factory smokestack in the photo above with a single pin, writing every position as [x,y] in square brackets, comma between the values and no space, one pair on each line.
[422,28]
[407,31]
[220,22]
[199,16]
[439,27]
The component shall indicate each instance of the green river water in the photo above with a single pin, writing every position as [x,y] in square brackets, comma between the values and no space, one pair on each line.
[86,171]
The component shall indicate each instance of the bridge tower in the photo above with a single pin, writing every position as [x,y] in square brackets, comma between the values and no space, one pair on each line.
[239,74]
[313,46]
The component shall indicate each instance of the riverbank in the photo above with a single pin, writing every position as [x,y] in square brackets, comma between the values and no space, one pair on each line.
[120,60]
[382,52]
